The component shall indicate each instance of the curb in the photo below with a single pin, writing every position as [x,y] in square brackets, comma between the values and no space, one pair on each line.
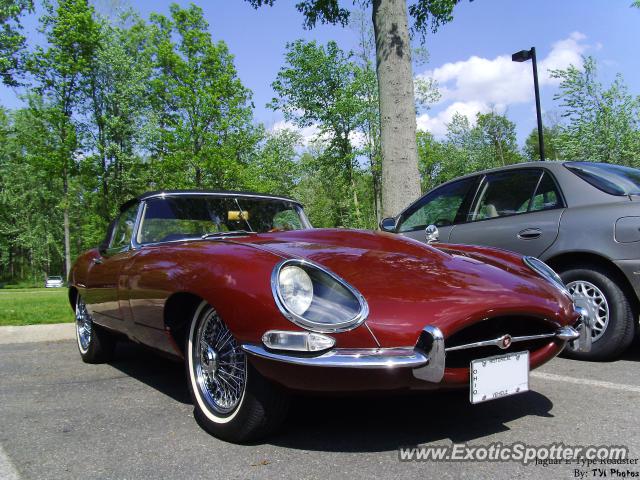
[37,333]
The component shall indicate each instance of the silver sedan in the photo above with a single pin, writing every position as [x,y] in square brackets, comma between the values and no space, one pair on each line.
[54,282]
[581,218]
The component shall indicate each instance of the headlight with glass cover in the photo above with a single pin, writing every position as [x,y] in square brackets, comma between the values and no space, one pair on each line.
[546,272]
[315,298]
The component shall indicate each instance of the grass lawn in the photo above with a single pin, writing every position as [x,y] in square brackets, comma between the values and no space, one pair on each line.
[34,305]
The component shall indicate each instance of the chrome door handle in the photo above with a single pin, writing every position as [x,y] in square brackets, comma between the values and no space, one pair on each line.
[529,233]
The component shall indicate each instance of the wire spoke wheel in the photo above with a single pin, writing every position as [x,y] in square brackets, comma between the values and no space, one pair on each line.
[220,365]
[84,325]
[587,295]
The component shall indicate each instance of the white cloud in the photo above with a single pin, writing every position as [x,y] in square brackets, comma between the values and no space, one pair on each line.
[563,53]
[358,139]
[308,134]
[311,133]
[437,124]
[481,84]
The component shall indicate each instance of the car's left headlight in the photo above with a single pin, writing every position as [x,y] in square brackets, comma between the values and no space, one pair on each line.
[315,298]
[546,272]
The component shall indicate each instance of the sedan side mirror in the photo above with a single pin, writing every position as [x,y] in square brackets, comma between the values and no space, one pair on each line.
[432,234]
[388,224]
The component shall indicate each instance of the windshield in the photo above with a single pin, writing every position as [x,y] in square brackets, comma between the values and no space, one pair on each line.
[182,217]
[55,278]
[611,179]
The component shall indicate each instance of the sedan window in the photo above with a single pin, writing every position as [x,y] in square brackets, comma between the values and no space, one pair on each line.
[505,193]
[439,207]
[611,179]
[546,196]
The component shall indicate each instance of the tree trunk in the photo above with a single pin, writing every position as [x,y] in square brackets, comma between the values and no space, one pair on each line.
[67,242]
[400,177]
[67,235]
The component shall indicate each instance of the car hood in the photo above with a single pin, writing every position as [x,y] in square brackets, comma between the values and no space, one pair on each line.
[408,284]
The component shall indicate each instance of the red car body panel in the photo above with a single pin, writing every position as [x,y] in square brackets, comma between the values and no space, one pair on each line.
[407,285]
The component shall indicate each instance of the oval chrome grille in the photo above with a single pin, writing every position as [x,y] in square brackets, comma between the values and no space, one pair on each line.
[495,336]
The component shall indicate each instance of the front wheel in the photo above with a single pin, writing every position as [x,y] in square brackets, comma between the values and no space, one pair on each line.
[231,399]
[595,289]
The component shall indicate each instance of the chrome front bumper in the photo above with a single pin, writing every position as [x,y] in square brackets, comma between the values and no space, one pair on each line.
[582,343]
[426,358]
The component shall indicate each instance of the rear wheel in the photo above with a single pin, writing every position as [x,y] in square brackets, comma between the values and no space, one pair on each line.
[595,289]
[95,344]
[231,399]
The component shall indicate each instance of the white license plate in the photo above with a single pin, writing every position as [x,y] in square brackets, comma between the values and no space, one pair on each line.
[499,376]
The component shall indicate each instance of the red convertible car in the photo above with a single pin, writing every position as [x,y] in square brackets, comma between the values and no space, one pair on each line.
[257,303]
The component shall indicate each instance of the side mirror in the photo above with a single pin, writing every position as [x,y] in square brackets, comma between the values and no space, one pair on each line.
[432,234]
[388,224]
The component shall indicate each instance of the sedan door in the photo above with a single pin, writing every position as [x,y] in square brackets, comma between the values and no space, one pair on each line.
[516,210]
[442,207]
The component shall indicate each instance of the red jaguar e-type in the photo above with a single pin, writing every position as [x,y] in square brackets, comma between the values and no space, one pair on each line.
[258,303]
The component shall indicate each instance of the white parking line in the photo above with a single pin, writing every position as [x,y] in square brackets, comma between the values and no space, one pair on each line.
[7,470]
[585,381]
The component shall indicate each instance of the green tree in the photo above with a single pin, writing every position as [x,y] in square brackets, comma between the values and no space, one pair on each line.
[497,137]
[550,136]
[439,161]
[201,109]
[400,180]
[364,57]
[467,148]
[115,112]
[72,36]
[602,124]
[12,41]
[321,86]
[31,226]
[274,167]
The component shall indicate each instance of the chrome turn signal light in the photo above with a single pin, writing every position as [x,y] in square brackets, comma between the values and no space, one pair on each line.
[297,341]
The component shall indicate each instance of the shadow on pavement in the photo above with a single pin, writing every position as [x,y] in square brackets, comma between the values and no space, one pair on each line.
[373,424]
[633,352]
[148,367]
[357,423]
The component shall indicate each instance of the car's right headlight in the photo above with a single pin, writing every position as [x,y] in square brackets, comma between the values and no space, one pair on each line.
[315,298]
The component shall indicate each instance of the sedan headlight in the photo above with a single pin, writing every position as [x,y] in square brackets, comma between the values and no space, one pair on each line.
[546,272]
[315,298]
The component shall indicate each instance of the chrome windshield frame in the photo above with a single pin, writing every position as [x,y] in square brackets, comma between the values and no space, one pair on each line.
[135,244]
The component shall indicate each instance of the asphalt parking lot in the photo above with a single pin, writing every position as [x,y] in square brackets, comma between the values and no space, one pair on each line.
[132,418]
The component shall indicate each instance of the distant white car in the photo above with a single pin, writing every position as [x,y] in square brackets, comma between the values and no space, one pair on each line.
[54,282]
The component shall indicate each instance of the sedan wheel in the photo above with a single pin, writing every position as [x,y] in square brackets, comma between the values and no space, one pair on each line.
[587,295]
[231,399]
[596,288]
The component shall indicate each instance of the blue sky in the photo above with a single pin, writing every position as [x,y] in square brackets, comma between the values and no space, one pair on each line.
[470,57]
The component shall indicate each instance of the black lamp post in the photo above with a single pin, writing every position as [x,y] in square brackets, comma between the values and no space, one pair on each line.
[523,56]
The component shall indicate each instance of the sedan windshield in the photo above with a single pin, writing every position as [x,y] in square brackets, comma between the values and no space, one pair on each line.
[611,179]
[182,217]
